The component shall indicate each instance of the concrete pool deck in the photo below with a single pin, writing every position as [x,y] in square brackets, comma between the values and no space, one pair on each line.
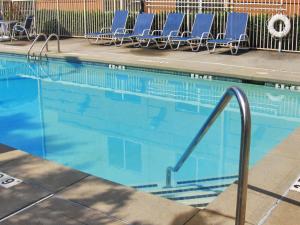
[262,66]
[54,194]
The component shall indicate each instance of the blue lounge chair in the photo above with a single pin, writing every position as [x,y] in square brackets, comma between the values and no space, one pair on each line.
[171,28]
[24,29]
[235,34]
[142,27]
[118,25]
[199,34]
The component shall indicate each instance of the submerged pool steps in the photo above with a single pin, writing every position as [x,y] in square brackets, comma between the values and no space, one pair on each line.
[197,193]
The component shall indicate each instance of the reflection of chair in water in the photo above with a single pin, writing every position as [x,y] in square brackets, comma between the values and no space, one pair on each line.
[156,120]
[273,98]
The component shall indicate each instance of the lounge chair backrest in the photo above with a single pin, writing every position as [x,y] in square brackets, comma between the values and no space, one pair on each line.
[173,23]
[28,22]
[202,24]
[236,25]
[144,21]
[119,20]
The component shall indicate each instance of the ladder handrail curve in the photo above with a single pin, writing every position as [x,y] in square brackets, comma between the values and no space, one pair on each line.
[35,40]
[46,44]
[244,147]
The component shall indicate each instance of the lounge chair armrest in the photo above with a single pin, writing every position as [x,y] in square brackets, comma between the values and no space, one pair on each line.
[157,31]
[243,37]
[105,29]
[186,33]
[220,35]
[173,33]
[146,31]
[19,24]
[128,31]
[120,31]
[206,35]
[18,27]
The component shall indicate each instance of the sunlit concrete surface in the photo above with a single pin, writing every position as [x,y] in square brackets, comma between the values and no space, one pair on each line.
[265,66]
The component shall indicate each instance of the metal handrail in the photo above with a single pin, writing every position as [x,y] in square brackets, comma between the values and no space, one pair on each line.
[35,40]
[244,147]
[46,43]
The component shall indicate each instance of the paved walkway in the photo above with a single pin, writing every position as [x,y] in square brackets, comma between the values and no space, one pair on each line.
[53,194]
[253,65]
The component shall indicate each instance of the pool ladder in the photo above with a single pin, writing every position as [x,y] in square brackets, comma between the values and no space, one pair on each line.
[244,147]
[44,47]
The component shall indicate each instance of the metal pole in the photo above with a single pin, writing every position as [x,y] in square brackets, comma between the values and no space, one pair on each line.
[280,39]
[244,161]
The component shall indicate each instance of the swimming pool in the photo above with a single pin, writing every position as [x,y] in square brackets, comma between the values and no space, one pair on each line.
[129,125]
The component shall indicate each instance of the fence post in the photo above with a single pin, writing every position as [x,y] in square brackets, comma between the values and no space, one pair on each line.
[34,16]
[121,5]
[84,19]
[142,9]
[57,17]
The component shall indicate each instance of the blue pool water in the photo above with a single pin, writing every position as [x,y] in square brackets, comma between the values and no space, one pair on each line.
[129,125]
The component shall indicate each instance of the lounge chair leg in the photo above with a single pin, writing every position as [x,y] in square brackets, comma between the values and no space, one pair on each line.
[213,49]
[192,47]
[156,42]
[165,45]
[120,44]
[234,49]
[96,42]
[89,40]
[199,45]
[138,45]
[132,41]
[178,45]
[148,43]
[27,35]
[172,43]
